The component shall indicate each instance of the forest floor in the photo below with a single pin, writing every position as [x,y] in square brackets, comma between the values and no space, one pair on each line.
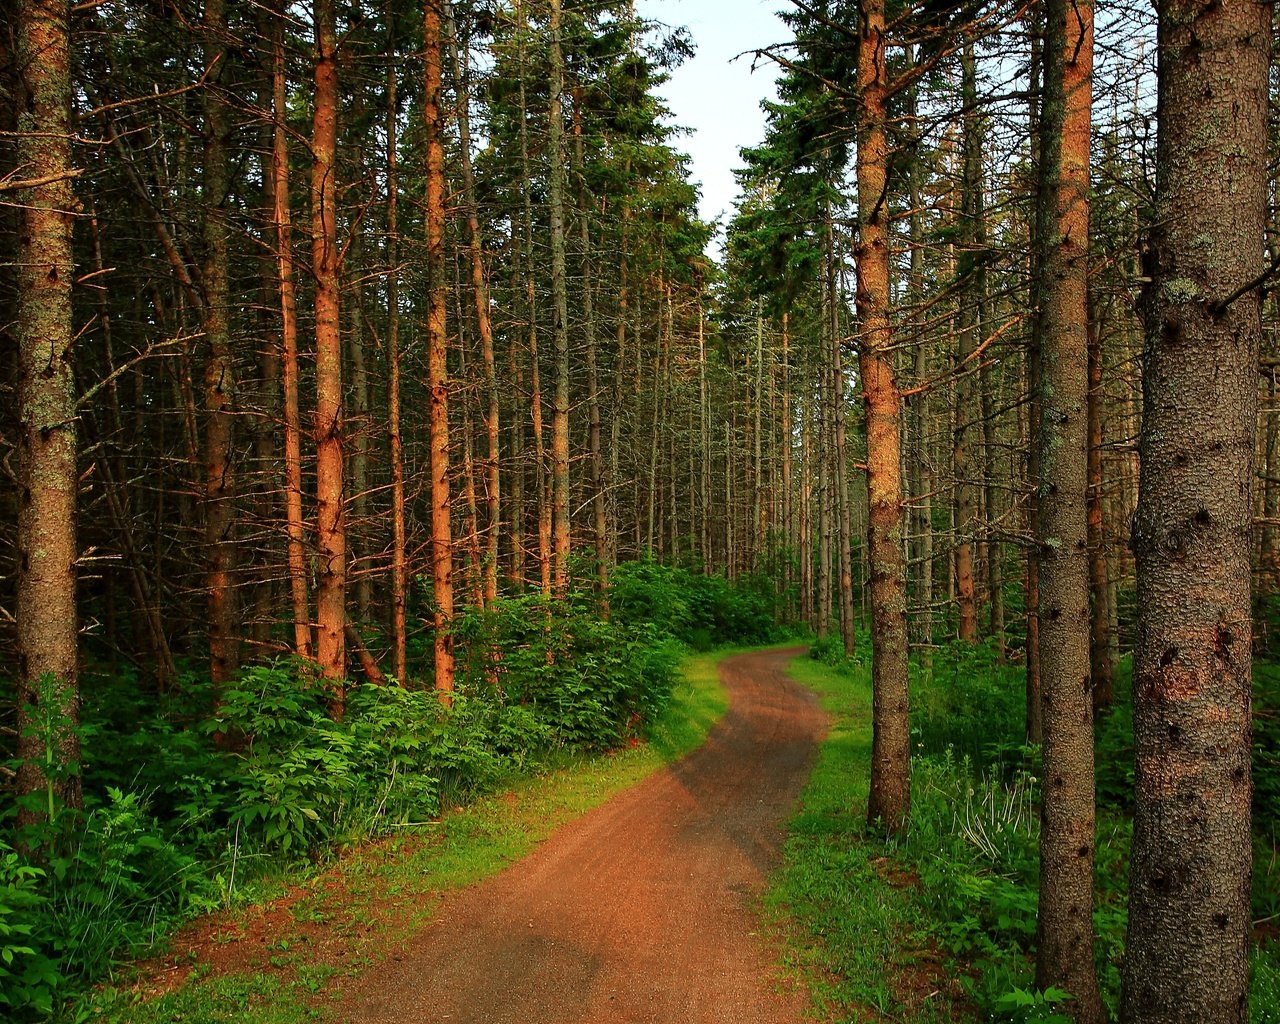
[644,908]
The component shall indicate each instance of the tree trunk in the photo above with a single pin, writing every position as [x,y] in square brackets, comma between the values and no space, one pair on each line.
[840,449]
[1064,937]
[484,323]
[535,374]
[1037,232]
[1189,922]
[357,424]
[331,527]
[219,374]
[399,564]
[559,316]
[437,359]
[289,372]
[966,409]
[920,476]
[784,443]
[48,703]
[704,438]
[890,797]
[1100,668]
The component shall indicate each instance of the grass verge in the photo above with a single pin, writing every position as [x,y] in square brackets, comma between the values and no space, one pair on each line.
[278,963]
[853,928]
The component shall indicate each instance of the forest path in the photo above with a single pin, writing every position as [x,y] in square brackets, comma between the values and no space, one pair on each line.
[644,910]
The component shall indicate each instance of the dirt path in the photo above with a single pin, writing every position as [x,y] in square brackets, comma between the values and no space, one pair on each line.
[643,910]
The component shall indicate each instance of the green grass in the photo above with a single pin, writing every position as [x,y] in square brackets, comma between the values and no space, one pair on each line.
[852,923]
[398,882]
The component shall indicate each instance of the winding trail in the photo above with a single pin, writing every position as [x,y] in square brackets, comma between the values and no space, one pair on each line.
[643,910]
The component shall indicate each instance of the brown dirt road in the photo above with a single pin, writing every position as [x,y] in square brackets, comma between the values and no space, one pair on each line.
[644,910]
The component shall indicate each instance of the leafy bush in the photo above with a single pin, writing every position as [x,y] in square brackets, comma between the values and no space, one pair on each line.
[584,682]
[118,883]
[28,977]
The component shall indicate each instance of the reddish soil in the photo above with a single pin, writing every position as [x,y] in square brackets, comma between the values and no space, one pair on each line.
[645,909]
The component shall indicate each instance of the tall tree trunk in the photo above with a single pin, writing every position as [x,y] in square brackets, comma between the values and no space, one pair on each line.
[1188,936]
[599,502]
[620,337]
[840,449]
[48,704]
[1100,669]
[357,424]
[535,374]
[1037,233]
[806,515]
[784,443]
[921,476]
[219,374]
[964,466]
[890,797]
[437,358]
[1065,957]
[331,526]
[484,323]
[289,372]
[824,457]
[559,315]
[399,564]
[704,437]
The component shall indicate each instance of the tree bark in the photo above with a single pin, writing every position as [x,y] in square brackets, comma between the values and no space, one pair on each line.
[331,527]
[1038,229]
[219,373]
[1100,668]
[963,465]
[890,797]
[1188,933]
[484,322]
[47,623]
[1065,956]
[437,359]
[289,370]
[399,564]
[559,316]
[840,449]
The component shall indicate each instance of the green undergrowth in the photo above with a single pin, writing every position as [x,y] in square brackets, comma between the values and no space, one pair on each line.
[397,882]
[963,881]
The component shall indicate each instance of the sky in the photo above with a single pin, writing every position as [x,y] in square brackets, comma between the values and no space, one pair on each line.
[713,94]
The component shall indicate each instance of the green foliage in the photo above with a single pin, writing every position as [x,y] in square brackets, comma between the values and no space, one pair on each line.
[51,728]
[537,680]
[1025,1006]
[28,977]
[968,703]
[119,881]
[700,611]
